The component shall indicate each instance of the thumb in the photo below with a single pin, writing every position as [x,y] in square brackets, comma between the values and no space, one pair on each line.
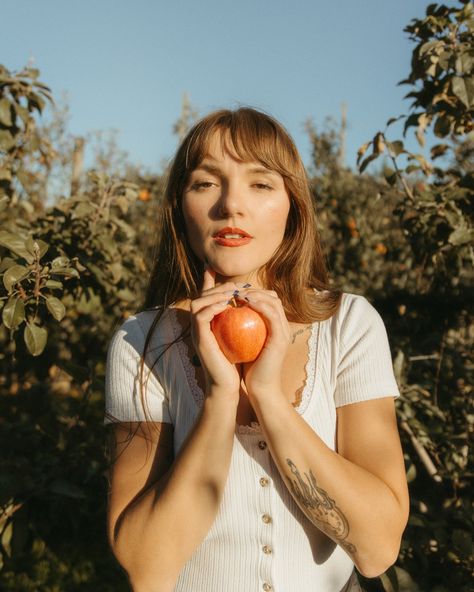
[209,280]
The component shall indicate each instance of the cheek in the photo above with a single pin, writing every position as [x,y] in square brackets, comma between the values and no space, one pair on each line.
[275,215]
[193,218]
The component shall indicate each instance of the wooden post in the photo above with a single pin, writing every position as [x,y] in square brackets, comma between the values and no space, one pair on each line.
[77,164]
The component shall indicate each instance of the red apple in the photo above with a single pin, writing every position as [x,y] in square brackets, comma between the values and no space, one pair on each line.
[240,332]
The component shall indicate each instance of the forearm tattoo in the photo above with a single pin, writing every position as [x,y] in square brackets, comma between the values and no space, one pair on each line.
[319,507]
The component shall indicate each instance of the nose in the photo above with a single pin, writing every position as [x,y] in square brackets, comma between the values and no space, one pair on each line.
[231,200]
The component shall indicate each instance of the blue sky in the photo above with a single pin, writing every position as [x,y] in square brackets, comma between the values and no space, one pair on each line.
[125,65]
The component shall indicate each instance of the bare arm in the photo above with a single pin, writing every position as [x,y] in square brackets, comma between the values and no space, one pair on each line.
[159,509]
[358,496]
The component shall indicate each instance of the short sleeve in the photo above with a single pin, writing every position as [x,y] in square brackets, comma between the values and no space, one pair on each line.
[123,400]
[365,369]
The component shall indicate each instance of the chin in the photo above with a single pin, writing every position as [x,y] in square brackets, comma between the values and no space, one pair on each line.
[231,271]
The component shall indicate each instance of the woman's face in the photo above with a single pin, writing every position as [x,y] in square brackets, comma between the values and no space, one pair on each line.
[243,196]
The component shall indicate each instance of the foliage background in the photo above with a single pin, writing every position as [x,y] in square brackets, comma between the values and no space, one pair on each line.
[73,266]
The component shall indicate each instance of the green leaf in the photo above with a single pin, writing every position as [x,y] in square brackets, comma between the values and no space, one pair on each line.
[411,473]
[416,521]
[22,112]
[394,119]
[54,284]
[392,577]
[83,210]
[461,236]
[438,150]
[397,147]
[5,112]
[5,174]
[59,262]
[25,178]
[79,373]
[411,168]
[116,270]
[13,275]
[35,338]
[36,102]
[459,89]
[36,246]
[14,312]
[362,150]
[366,161]
[7,141]
[6,263]
[123,203]
[390,176]
[56,307]
[126,228]
[16,244]
[126,295]
[66,271]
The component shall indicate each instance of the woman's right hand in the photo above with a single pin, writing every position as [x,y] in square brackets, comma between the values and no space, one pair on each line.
[221,375]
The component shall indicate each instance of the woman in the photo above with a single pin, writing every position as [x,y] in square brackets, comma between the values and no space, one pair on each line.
[279,474]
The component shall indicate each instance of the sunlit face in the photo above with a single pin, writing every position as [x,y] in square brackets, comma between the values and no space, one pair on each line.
[225,192]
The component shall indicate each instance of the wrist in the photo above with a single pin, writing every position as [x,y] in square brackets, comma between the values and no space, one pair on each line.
[267,398]
[221,401]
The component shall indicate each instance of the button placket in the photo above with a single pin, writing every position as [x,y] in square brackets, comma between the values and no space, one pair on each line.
[265,531]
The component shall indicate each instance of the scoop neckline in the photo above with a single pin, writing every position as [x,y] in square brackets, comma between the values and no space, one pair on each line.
[197,394]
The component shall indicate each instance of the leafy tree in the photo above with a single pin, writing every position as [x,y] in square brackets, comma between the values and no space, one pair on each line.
[72,268]
[433,338]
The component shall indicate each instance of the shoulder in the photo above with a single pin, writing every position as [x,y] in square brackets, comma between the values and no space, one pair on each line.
[356,318]
[135,329]
[352,309]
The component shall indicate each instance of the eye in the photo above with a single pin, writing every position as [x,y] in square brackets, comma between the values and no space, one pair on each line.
[201,185]
[263,186]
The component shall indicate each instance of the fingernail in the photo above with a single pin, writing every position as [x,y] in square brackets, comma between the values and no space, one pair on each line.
[243,285]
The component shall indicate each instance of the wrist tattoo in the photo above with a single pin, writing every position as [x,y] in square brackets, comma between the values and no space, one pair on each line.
[319,507]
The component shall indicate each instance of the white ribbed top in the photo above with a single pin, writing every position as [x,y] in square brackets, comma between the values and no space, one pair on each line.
[260,539]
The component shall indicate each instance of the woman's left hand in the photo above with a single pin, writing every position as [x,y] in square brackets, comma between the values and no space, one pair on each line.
[264,374]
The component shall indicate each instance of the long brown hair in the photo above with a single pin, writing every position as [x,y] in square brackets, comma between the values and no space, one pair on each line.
[297,270]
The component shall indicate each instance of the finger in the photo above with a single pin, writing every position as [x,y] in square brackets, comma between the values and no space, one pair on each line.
[260,292]
[211,298]
[207,313]
[271,309]
[209,280]
[202,319]
[227,289]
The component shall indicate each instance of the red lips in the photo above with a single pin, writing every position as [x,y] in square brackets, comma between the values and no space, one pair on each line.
[229,230]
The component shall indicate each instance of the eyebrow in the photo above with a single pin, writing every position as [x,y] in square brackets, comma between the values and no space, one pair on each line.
[215,169]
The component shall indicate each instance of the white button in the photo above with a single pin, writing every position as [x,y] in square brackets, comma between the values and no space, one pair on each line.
[264,481]
[266,518]
[267,587]
[267,550]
